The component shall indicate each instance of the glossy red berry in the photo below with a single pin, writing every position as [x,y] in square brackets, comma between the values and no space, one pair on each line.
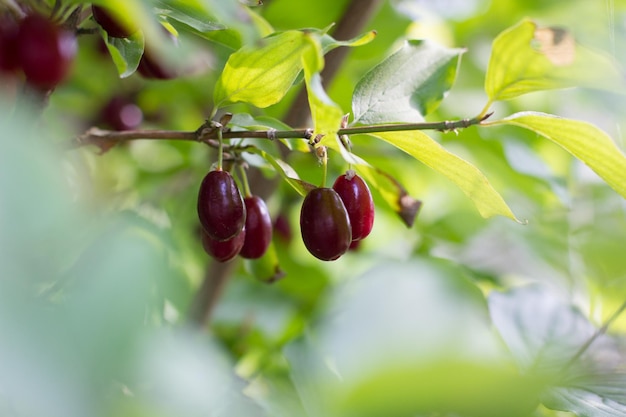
[357,198]
[258,228]
[221,209]
[45,51]
[121,114]
[9,62]
[324,224]
[111,25]
[223,251]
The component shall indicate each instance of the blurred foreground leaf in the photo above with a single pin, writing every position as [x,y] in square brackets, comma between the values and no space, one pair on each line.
[547,335]
[426,347]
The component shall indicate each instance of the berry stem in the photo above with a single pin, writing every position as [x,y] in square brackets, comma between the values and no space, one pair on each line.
[220,145]
[244,181]
[324,157]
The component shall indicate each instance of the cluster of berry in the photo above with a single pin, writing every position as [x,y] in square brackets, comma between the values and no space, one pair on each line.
[38,47]
[43,49]
[232,225]
[334,219]
[331,219]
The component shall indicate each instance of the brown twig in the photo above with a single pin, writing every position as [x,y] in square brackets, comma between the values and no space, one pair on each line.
[95,136]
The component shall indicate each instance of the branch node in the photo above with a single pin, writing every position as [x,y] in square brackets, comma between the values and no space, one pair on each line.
[308,134]
[271,134]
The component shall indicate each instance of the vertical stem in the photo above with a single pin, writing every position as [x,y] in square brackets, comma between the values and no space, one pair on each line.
[244,181]
[220,149]
[325,165]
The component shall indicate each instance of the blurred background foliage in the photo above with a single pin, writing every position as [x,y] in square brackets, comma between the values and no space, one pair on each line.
[100,255]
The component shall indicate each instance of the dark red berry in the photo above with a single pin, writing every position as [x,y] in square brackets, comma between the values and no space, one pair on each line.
[324,224]
[221,209]
[225,250]
[150,66]
[45,51]
[282,228]
[258,228]
[111,25]
[121,114]
[9,62]
[359,204]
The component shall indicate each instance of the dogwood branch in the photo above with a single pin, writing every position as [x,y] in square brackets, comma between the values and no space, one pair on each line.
[108,138]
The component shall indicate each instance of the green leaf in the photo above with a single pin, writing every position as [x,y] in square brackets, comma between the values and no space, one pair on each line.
[525,58]
[465,175]
[583,140]
[285,171]
[192,15]
[329,43]
[325,113]
[125,52]
[261,74]
[407,85]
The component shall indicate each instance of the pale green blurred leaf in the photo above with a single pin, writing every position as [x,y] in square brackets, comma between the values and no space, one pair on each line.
[465,175]
[545,333]
[427,347]
[407,85]
[583,140]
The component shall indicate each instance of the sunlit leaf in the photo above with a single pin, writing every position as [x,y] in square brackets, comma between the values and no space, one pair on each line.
[261,74]
[125,52]
[326,114]
[407,85]
[525,58]
[329,43]
[583,140]
[465,175]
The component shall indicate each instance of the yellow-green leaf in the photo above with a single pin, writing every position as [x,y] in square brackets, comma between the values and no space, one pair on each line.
[527,58]
[465,175]
[583,140]
[261,74]
[325,113]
